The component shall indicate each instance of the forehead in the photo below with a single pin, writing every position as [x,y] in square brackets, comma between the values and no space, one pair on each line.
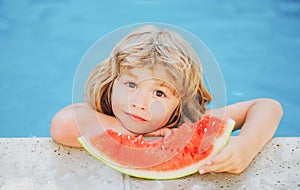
[157,73]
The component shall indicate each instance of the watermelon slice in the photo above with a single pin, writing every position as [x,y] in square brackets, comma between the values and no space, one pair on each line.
[179,155]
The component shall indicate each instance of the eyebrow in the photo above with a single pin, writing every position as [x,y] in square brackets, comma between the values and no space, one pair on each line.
[169,87]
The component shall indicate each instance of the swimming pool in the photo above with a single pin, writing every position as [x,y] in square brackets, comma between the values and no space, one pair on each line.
[256,44]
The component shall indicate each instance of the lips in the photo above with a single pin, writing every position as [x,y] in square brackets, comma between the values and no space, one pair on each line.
[135,117]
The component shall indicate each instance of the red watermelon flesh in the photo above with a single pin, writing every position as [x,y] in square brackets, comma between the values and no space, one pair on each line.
[124,149]
[181,154]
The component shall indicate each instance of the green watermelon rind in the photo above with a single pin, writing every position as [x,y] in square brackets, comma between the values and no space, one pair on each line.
[219,144]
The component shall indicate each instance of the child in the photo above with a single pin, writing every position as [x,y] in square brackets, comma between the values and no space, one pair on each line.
[152,82]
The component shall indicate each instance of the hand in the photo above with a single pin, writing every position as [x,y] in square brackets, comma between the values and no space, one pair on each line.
[163,132]
[234,157]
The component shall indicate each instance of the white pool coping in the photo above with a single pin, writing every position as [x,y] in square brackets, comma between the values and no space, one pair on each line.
[40,163]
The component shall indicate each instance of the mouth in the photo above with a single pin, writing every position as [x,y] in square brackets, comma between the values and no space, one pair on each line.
[135,117]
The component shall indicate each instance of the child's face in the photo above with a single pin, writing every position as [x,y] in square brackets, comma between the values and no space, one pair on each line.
[142,101]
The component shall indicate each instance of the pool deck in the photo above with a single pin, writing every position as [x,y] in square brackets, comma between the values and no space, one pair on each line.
[40,163]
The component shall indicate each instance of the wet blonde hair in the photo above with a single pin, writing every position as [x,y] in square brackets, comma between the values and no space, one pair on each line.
[149,46]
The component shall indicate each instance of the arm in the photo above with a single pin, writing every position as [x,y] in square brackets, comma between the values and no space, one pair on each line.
[258,120]
[64,124]
[63,127]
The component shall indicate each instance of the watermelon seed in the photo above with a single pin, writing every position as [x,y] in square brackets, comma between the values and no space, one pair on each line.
[128,137]
[119,134]
[213,123]
[205,130]
[162,147]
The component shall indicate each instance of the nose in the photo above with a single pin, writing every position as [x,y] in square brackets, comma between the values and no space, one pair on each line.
[138,100]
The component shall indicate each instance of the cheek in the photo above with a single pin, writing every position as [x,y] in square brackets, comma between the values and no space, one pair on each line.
[159,111]
[157,106]
[118,98]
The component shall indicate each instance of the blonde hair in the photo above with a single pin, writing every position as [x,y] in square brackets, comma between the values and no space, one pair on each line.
[149,46]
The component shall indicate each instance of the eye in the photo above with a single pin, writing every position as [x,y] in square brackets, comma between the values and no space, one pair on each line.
[159,93]
[131,84]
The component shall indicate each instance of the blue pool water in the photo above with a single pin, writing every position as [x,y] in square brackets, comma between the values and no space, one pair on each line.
[256,44]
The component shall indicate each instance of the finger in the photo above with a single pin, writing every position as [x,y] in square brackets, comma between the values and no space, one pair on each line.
[154,133]
[165,132]
[237,169]
[234,171]
[158,132]
[224,168]
[218,164]
[221,157]
[221,167]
